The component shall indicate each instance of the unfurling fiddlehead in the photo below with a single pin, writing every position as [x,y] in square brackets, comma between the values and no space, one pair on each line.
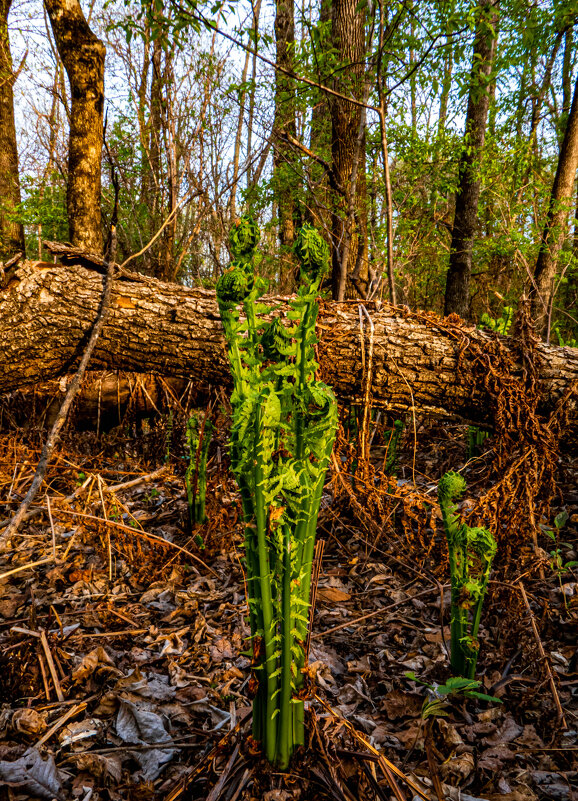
[284,424]
[471,553]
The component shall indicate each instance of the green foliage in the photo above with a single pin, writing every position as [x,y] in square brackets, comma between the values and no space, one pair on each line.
[564,343]
[44,206]
[198,439]
[441,694]
[471,553]
[284,424]
[476,438]
[502,324]
[557,560]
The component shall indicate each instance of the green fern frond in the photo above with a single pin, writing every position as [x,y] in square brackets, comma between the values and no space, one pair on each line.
[244,236]
[312,252]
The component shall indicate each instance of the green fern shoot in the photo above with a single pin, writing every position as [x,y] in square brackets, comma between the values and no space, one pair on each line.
[471,553]
[283,429]
[198,440]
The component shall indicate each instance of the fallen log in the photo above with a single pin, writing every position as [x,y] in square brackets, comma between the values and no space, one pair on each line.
[105,399]
[417,361]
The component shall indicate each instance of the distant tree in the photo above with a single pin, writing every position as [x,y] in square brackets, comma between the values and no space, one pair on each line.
[348,41]
[556,226]
[82,54]
[11,230]
[285,180]
[457,294]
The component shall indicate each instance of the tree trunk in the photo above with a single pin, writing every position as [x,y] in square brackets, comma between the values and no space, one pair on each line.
[556,226]
[317,200]
[457,295]
[47,311]
[348,38]
[284,167]
[11,231]
[82,54]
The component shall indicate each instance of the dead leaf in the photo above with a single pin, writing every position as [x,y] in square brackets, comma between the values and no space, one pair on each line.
[332,594]
[33,774]
[138,725]
[100,765]
[221,649]
[90,662]
[459,766]
[398,704]
[9,604]
[508,731]
[28,722]
[79,733]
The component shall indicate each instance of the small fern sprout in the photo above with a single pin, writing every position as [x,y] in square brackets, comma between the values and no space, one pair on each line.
[234,286]
[450,488]
[471,553]
[392,454]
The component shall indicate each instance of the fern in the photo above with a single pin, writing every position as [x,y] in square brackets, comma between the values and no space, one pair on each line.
[471,553]
[476,438]
[284,425]
[198,439]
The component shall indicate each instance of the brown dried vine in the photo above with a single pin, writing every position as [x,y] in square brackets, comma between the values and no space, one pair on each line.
[526,442]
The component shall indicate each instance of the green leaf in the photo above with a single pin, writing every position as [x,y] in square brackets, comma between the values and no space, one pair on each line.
[561,519]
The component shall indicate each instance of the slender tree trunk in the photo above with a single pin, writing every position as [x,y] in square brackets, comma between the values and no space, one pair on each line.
[457,295]
[47,174]
[385,156]
[317,199]
[556,226]
[11,231]
[284,177]
[168,132]
[82,54]
[348,35]
[241,123]
[251,120]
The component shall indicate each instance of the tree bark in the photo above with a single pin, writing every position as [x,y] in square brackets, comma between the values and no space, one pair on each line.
[556,226]
[11,231]
[457,294]
[47,311]
[284,172]
[348,39]
[82,54]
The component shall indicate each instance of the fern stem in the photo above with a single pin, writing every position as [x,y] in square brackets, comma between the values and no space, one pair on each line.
[285,748]
[266,597]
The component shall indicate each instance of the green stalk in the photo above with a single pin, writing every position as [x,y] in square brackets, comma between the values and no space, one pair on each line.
[286,745]
[266,599]
[302,356]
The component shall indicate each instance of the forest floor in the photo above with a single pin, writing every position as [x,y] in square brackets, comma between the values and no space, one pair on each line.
[121,640]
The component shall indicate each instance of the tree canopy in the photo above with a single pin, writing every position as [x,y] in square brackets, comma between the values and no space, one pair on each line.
[425,140]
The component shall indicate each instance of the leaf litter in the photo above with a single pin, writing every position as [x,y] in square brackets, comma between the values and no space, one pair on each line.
[123,644]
